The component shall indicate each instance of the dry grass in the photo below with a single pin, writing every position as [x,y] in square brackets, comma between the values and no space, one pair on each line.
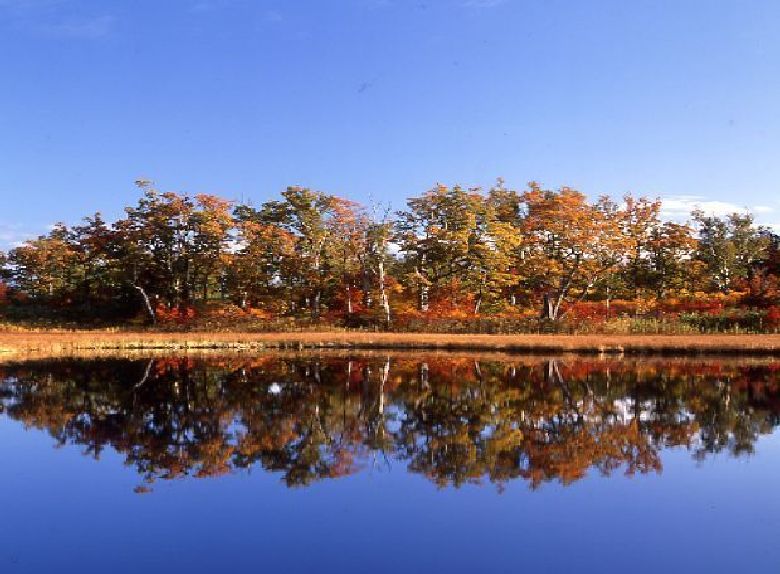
[54,342]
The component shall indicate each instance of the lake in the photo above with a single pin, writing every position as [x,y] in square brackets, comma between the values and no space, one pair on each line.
[389,463]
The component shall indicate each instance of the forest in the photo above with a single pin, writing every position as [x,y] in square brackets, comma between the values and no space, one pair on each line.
[453,260]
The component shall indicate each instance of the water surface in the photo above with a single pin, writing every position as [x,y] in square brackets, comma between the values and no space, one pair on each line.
[388,463]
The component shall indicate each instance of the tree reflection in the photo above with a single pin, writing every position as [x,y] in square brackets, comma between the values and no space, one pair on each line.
[454,420]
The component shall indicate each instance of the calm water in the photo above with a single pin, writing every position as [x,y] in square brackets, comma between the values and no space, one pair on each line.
[406,463]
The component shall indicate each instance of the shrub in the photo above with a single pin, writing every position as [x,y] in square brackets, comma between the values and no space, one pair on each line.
[773,318]
[733,320]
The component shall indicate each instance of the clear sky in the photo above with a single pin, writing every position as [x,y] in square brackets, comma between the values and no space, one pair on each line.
[383,98]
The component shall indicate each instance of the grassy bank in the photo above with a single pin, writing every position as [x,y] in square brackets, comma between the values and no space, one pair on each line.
[56,342]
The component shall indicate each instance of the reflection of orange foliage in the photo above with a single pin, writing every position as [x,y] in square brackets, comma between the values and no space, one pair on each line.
[215,456]
[454,419]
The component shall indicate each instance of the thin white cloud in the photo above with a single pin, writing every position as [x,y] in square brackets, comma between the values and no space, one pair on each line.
[55,18]
[22,5]
[679,207]
[273,16]
[270,15]
[199,7]
[13,235]
[207,5]
[376,3]
[95,27]
[483,3]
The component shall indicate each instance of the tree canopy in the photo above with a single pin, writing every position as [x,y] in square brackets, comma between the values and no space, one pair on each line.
[452,252]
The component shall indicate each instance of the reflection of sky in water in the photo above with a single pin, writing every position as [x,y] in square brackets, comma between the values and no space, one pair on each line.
[65,512]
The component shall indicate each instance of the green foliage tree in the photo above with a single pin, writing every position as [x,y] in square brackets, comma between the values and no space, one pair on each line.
[455,244]
[729,247]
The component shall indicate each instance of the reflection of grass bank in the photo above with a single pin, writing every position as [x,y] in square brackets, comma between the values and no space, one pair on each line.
[56,342]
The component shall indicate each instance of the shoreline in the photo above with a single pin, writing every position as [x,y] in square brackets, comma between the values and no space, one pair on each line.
[55,343]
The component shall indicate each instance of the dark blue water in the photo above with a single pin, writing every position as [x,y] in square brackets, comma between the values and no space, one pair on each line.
[416,464]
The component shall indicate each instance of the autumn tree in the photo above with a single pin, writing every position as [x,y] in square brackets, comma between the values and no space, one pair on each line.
[569,243]
[658,254]
[374,262]
[639,224]
[264,256]
[158,250]
[43,267]
[348,227]
[670,255]
[452,250]
[313,219]
[101,286]
[455,245]
[507,207]
[211,224]
[763,285]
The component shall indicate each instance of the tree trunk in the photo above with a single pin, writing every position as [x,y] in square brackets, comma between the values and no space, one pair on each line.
[366,278]
[383,292]
[147,303]
[423,298]
[315,305]
[382,383]
[549,310]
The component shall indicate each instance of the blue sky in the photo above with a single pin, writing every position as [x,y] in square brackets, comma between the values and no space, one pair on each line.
[383,98]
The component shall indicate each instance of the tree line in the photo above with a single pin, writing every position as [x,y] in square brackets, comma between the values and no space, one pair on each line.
[451,252]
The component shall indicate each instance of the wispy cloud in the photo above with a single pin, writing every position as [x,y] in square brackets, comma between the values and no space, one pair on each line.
[273,16]
[376,3]
[679,207]
[13,235]
[22,5]
[206,5]
[482,3]
[56,18]
[269,16]
[95,27]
